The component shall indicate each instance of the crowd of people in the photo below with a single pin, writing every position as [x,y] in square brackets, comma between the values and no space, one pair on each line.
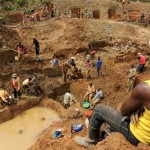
[132,121]
[18,88]
[46,12]
[129,121]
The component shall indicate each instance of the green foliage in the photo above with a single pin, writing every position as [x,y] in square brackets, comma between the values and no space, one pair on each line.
[20,3]
[4,19]
[8,6]
[2,1]
[46,1]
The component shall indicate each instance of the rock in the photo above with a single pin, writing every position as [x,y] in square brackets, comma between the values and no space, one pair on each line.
[20,131]
[43,118]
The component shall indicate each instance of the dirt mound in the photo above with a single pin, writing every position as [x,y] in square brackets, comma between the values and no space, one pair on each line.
[117,141]
[45,142]
[65,38]
[8,37]
[114,142]
[8,42]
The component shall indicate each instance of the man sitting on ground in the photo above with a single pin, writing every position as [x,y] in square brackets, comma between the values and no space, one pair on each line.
[133,121]
[90,92]
[98,96]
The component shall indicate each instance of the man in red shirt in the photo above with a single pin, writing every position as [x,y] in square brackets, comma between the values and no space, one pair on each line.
[142,62]
[16,85]
[93,54]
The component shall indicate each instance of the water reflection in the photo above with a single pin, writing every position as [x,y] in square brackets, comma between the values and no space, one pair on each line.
[21,132]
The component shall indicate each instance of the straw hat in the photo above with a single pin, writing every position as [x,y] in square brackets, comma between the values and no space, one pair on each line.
[14,75]
[73,58]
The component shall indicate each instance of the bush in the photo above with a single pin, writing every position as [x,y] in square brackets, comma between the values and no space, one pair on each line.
[20,3]
[4,20]
[8,6]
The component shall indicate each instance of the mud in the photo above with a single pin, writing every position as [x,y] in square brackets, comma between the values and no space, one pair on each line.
[21,136]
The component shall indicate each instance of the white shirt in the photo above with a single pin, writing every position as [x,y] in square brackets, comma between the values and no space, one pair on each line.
[26,82]
[67,98]
[87,122]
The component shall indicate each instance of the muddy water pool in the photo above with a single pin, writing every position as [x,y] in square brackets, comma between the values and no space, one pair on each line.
[22,132]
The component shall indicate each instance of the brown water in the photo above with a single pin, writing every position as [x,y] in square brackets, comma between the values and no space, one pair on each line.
[21,132]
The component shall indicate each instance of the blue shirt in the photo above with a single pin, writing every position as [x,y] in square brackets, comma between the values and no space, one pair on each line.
[55,61]
[99,95]
[98,64]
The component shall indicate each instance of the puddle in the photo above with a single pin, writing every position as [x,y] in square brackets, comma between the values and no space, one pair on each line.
[22,132]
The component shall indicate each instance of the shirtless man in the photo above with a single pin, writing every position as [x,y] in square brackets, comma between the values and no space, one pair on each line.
[132,121]
[4,96]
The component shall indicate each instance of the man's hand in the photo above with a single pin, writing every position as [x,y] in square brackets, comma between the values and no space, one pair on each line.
[135,116]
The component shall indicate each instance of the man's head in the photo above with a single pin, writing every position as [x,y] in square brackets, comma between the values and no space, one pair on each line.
[19,43]
[98,58]
[139,54]
[88,61]
[98,88]
[90,83]
[132,66]
[72,58]
[35,74]
[68,91]
[14,76]
[30,79]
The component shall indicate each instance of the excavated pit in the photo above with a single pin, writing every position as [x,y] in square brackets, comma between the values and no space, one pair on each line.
[113,81]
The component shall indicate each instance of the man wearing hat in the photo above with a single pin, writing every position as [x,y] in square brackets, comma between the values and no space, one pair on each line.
[16,85]
[142,61]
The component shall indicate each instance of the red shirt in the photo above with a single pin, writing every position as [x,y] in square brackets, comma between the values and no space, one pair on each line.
[142,60]
[93,52]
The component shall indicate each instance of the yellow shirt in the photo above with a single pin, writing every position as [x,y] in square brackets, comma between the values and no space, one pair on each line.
[141,130]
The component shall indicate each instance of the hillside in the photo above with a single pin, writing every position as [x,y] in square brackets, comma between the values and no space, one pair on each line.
[66,37]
